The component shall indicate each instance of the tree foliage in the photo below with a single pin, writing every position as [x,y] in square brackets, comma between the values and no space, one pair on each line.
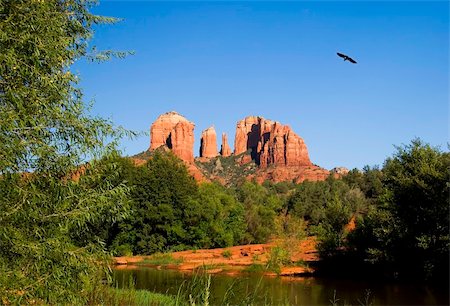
[44,123]
[171,212]
[369,181]
[223,222]
[47,192]
[261,208]
[328,206]
[399,210]
[162,193]
[409,230]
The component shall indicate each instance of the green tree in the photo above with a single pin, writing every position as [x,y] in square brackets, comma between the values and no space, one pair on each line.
[331,230]
[172,212]
[117,171]
[46,135]
[328,206]
[408,232]
[165,205]
[222,221]
[312,200]
[261,208]
[369,181]
[417,178]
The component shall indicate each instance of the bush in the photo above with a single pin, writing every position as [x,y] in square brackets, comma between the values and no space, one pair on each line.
[227,254]
[278,257]
[408,231]
[123,250]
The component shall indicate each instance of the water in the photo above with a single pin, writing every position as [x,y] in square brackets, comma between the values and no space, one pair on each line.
[293,290]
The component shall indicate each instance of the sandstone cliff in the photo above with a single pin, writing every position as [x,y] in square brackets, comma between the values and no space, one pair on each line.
[225,149]
[247,134]
[264,150]
[271,143]
[176,132]
[208,143]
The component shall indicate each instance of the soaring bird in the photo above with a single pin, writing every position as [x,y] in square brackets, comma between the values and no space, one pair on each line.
[346,58]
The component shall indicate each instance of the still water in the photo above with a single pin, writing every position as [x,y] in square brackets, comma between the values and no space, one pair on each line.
[293,290]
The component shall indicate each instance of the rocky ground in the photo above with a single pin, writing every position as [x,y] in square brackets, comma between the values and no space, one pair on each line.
[233,260]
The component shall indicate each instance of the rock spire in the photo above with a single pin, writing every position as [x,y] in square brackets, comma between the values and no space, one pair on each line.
[176,132]
[208,143]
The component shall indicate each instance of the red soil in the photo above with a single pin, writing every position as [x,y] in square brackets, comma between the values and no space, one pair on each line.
[233,260]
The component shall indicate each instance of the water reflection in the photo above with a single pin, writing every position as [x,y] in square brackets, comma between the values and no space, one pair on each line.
[293,290]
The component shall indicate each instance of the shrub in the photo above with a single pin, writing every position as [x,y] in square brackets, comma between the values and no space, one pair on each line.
[227,254]
[278,257]
[123,250]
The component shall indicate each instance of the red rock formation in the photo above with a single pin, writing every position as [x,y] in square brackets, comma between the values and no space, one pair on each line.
[271,143]
[225,149]
[279,153]
[208,143]
[176,132]
[247,135]
[283,147]
[196,173]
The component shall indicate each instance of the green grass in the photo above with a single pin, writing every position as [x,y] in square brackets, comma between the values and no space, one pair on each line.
[255,268]
[115,296]
[161,259]
[197,293]
[206,267]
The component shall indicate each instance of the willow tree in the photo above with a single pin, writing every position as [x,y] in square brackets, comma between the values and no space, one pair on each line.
[46,138]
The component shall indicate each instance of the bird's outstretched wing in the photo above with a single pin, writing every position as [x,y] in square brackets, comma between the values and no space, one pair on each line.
[346,57]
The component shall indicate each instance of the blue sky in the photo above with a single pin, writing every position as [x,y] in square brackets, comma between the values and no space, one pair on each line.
[218,62]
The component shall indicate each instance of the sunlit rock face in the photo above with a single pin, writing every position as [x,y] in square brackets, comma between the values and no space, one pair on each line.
[263,150]
[247,134]
[208,143]
[270,142]
[225,149]
[176,132]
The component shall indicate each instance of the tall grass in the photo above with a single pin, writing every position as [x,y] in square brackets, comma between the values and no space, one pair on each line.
[161,259]
[366,301]
[117,296]
[198,292]
[130,296]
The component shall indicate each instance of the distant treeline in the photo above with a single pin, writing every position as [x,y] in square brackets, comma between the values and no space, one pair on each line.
[400,213]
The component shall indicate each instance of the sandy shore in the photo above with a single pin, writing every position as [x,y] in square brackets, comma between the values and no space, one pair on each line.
[232,260]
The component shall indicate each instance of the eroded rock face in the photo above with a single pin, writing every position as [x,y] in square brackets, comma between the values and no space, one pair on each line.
[208,143]
[271,143]
[225,149]
[176,132]
[247,134]
[276,152]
